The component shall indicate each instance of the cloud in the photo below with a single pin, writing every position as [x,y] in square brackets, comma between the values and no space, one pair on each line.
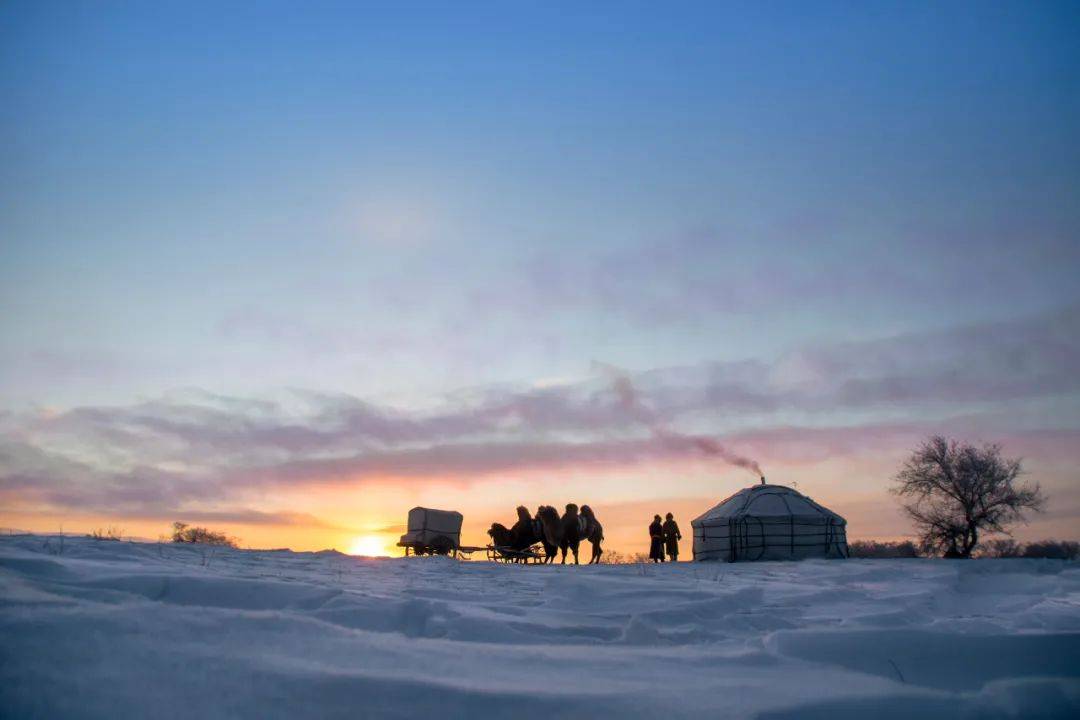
[200,451]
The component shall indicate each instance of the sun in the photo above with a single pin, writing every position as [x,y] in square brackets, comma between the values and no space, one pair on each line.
[368,545]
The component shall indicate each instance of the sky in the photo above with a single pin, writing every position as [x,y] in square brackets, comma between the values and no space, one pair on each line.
[289,269]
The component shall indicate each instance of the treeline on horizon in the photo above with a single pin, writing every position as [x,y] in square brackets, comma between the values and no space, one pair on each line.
[997,548]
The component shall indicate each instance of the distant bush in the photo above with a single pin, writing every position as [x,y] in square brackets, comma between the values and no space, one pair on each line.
[875,549]
[613,557]
[1051,549]
[184,533]
[1001,548]
[1063,550]
[109,533]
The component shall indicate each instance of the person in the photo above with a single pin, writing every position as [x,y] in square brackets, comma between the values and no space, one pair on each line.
[656,535]
[523,529]
[672,536]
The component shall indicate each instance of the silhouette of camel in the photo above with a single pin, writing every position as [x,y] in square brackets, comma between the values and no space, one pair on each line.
[554,531]
[594,533]
[536,528]
[504,538]
[573,526]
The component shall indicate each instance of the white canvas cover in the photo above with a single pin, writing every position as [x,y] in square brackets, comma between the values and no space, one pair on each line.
[426,524]
[769,522]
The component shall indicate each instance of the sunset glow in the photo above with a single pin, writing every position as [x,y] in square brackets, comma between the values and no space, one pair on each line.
[368,546]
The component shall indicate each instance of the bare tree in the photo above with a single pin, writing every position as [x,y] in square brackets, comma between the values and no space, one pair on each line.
[954,491]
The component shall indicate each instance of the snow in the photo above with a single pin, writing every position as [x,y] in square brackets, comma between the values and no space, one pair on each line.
[116,629]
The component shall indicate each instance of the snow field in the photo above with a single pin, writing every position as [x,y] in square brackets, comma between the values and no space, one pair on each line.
[117,629]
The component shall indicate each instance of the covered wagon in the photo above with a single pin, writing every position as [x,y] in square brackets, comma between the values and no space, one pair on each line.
[432,532]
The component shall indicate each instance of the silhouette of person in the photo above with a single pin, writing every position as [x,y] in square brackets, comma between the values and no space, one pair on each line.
[523,528]
[672,536]
[656,535]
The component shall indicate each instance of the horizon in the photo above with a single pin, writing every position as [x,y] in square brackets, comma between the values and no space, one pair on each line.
[288,271]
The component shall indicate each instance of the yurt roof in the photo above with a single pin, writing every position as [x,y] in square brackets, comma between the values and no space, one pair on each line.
[766,501]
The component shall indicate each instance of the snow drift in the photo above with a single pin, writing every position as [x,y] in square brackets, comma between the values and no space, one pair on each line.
[116,629]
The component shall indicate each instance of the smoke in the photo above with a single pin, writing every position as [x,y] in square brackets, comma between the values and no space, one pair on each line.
[631,403]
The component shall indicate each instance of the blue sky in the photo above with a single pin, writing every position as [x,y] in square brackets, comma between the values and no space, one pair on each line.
[405,202]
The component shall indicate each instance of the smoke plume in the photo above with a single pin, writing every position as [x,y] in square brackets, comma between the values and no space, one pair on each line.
[630,401]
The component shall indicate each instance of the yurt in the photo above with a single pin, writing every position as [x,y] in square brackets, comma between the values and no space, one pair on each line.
[769,522]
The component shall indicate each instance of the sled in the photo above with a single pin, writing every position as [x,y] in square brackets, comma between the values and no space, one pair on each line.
[499,553]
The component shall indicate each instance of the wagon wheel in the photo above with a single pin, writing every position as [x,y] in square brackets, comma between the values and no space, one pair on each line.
[442,545]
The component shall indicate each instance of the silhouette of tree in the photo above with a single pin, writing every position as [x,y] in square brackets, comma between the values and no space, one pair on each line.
[183,533]
[955,491]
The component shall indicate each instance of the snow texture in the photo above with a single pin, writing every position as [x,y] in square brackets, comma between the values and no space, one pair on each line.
[119,630]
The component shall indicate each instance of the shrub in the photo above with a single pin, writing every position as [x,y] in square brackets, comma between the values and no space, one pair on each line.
[1050,549]
[1002,548]
[613,557]
[184,533]
[109,533]
[1064,550]
[875,549]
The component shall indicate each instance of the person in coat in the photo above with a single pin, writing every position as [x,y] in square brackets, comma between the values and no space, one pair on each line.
[656,537]
[672,536]
[523,530]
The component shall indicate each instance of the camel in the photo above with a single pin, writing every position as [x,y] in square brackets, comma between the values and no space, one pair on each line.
[500,535]
[594,533]
[573,526]
[528,531]
[552,531]
[540,535]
